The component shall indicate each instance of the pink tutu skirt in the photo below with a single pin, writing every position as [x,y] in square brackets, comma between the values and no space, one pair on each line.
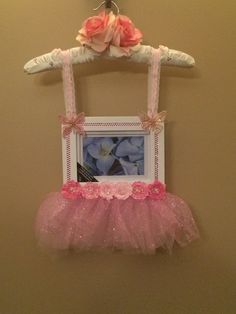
[131,225]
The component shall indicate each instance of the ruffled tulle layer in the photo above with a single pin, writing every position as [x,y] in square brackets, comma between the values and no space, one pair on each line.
[133,225]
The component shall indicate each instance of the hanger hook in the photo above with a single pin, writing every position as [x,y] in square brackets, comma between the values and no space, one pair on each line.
[108,4]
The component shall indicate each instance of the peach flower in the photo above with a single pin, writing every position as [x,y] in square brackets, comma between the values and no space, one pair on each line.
[125,35]
[97,31]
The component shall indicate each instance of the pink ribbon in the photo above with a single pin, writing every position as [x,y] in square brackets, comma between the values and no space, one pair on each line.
[153,122]
[75,122]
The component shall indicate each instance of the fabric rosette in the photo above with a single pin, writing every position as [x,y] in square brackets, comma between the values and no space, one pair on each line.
[71,190]
[107,190]
[123,190]
[90,190]
[140,190]
[156,190]
[126,37]
[97,31]
[106,31]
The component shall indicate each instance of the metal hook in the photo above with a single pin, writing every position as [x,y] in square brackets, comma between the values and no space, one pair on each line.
[108,5]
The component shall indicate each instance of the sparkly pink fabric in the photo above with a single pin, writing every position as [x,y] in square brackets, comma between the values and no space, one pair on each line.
[133,225]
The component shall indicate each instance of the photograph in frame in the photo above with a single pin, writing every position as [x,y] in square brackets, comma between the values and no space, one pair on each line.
[114,155]
[113,149]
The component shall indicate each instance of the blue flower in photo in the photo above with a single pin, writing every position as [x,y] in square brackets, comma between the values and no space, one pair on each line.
[90,165]
[101,150]
[129,168]
[114,155]
[132,147]
[132,168]
[86,142]
[140,165]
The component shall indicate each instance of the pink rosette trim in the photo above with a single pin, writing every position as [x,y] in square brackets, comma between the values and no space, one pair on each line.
[156,190]
[140,190]
[71,190]
[107,190]
[90,190]
[123,190]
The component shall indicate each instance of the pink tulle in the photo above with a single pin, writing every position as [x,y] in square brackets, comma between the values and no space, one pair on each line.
[133,225]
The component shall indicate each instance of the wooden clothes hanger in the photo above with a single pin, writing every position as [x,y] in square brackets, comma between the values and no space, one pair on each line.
[53,60]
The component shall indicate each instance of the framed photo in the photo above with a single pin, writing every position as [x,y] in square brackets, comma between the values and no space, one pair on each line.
[113,149]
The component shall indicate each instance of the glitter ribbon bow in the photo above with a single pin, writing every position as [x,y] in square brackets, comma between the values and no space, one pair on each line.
[153,122]
[75,122]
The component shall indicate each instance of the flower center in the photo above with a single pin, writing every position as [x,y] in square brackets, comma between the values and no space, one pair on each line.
[104,152]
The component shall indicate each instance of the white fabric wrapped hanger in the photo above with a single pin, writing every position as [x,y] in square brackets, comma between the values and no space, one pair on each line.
[141,54]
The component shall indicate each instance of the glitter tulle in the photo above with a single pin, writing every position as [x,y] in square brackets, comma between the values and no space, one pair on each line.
[131,225]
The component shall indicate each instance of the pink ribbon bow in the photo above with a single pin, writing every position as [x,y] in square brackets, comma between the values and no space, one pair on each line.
[154,121]
[75,122]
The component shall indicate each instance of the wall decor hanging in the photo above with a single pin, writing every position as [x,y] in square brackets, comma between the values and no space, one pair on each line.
[114,194]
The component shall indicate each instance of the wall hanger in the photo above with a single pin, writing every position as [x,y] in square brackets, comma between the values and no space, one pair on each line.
[53,60]
[114,193]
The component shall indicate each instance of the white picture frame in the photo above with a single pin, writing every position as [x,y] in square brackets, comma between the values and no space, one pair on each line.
[154,163]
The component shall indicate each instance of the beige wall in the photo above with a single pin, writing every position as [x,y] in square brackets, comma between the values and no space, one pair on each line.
[200,161]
